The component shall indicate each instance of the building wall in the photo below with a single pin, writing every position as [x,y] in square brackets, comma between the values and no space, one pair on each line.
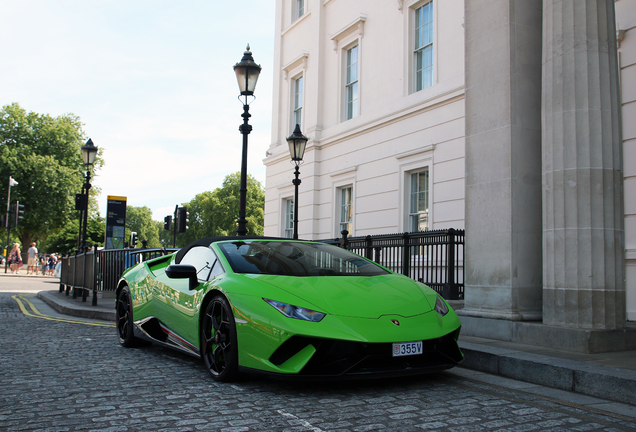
[397,130]
[626,35]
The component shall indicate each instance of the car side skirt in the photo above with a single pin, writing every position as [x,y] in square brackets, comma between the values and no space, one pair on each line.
[152,330]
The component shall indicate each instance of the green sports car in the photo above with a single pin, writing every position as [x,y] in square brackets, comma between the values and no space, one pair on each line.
[288,308]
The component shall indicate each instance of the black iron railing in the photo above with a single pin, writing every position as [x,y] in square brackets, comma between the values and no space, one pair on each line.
[435,258]
[100,270]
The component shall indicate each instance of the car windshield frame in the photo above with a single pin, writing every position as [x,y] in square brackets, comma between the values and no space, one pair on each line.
[293,258]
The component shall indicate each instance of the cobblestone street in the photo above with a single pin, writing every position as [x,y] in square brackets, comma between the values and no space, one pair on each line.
[68,376]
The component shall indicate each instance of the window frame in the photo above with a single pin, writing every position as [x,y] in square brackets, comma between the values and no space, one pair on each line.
[344,208]
[297,102]
[195,252]
[298,9]
[293,70]
[412,213]
[346,178]
[411,162]
[410,35]
[351,86]
[349,36]
[288,218]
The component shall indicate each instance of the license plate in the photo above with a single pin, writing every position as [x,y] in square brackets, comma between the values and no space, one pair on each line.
[407,348]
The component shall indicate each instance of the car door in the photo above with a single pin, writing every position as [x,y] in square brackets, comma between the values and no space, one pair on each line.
[175,303]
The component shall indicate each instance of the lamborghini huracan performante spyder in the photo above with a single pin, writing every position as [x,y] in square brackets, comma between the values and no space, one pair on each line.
[288,308]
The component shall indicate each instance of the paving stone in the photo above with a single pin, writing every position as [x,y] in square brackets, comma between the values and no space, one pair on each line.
[71,377]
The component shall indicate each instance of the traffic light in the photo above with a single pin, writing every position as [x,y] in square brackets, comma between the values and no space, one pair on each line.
[182,219]
[167,223]
[133,239]
[19,213]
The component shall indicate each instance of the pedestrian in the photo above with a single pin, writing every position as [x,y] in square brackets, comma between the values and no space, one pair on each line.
[51,264]
[32,259]
[15,259]
[43,264]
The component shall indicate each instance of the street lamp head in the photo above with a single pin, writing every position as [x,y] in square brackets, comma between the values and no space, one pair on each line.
[297,143]
[89,152]
[247,72]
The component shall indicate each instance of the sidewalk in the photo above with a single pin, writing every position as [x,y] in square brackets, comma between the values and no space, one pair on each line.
[67,305]
[610,376]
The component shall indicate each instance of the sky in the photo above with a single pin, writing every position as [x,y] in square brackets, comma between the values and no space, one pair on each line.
[152,82]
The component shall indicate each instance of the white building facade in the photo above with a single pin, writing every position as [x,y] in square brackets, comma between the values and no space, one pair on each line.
[401,101]
[371,132]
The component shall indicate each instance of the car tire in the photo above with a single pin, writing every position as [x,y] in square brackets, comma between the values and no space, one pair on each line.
[219,348]
[124,319]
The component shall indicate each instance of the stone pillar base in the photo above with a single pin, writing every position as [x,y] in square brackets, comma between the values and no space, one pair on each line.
[501,315]
[563,338]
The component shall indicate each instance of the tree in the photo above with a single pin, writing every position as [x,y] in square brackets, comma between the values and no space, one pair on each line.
[228,198]
[165,237]
[65,240]
[42,153]
[215,213]
[202,218]
[139,220]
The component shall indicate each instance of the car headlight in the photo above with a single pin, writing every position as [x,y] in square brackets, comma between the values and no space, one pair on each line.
[440,306]
[297,312]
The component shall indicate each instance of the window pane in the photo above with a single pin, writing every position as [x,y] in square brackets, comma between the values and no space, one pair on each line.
[352,64]
[299,9]
[289,218]
[298,103]
[418,211]
[423,54]
[346,209]
[295,259]
[298,92]
[351,84]
[202,258]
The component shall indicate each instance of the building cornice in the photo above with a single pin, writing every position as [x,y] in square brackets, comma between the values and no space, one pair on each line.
[356,25]
[417,151]
[343,172]
[300,60]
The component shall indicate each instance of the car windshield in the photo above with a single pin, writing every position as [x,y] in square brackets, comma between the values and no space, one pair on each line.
[296,259]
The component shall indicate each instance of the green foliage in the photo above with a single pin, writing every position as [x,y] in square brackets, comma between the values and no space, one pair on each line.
[42,153]
[139,220]
[165,237]
[65,240]
[215,213]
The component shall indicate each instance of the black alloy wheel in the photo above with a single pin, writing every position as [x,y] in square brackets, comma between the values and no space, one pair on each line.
[124,319]
[218,340]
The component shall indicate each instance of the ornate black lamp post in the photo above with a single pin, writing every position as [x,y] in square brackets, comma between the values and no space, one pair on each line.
[89,152]
[247,72]
[297,143]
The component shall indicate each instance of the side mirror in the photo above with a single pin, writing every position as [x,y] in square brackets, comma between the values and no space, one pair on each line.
[183,271]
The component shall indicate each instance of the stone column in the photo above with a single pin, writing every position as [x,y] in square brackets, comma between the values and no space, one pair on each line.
[503,159]
[583,240]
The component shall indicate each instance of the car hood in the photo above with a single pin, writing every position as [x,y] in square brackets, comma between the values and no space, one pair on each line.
[356,296]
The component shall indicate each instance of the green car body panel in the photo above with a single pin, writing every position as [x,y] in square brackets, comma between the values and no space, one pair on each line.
[384,309]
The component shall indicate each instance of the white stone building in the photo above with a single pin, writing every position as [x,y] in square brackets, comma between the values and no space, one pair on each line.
[435,114]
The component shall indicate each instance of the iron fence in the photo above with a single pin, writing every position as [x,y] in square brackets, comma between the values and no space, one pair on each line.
[100,270]
[435,258]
